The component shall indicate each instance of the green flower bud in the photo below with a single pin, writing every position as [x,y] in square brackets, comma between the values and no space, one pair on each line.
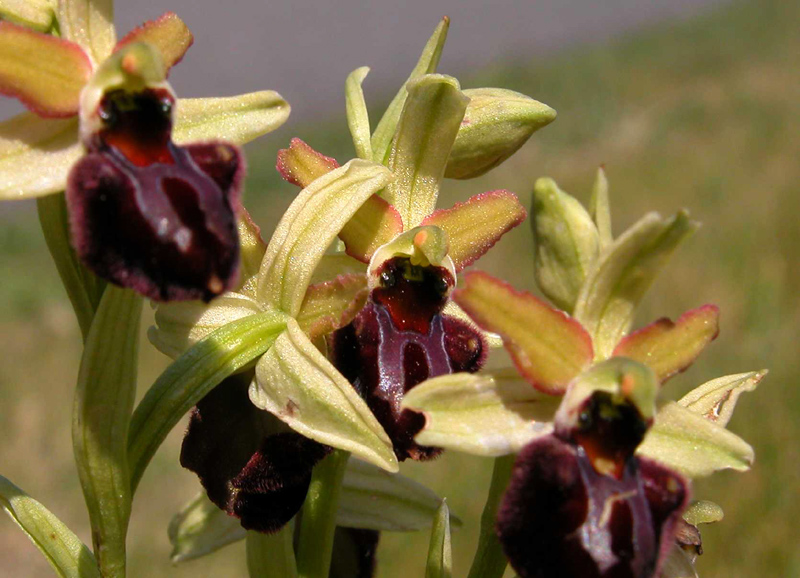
[497,123]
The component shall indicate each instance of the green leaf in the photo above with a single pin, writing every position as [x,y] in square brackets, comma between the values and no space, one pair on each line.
[297,384]
[36,155]
[201,528]
[425,134]
[440,557]
[357,115]
[566,241]
[600,209]
[90,24]
[68,556]
[181,324]
[385,131]
[669,348]
[496,124]
[692,445]
[83,288]
[46,73]
[610,295]
[548,347]
[271,555]
[190,377]
[238,119]
[715,400]
[309,226]
[484,415]
[103,402]
[374,499]
[35,14]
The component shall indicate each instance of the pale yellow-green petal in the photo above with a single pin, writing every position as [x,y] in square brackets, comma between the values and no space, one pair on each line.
[90,24]
[34,14]
[715,400]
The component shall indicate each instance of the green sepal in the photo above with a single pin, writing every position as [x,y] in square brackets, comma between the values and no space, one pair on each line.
[715,400]
[374,499]
[611,293]
[566,243]
[496,124]
[693,445]
[678,564]
[103,403]
[238,119]
[309,226]
[357,115]
[425,134]
[68,556]
[428,61]
[484,415]
[84,289]
[600,209]
[201,528]
[34,14]
[90,24]
[440,556]
[190,377]
[298,385]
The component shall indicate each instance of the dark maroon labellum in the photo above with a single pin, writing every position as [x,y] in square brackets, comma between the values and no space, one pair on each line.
[150,215]
[400,339]
[563,516]
[250,464]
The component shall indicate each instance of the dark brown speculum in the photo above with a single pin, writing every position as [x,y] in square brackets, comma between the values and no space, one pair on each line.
[401,338]
[148,214]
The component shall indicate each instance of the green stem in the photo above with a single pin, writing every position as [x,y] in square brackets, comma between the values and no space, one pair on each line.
[271,555]
[83,288]
[489,561]
[318,519]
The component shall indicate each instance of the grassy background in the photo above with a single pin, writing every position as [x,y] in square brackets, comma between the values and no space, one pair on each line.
[702,114]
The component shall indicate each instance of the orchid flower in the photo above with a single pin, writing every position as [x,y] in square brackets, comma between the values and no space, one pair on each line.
[145,212]
[602,280]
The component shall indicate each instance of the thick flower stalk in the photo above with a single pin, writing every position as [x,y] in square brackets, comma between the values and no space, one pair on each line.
[144,212]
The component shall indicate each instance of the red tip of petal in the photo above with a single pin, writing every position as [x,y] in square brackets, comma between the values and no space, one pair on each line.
[300,164]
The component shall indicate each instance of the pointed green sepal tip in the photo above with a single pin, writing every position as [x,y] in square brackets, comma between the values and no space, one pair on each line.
[496,124]
[425,246]
[626,380]
[566,240]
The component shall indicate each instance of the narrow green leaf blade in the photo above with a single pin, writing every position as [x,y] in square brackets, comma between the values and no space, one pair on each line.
[715,400]
[611,293]
[309,226]
[357,115]
[297,384]
[440,557]
[374,499]
[692,445]
[103,403]
[191,377]
[68,556]
[84,289]
[484,415]
[428,61]
[425,134]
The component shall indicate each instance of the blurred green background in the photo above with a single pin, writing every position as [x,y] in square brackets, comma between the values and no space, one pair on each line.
[701,114]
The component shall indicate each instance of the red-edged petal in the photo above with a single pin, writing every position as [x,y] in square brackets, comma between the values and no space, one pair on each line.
[167,33]
[332,304]
[669,348]
[250,464]
[374,224]
[548,347]
[474,226]
[46,73]
[300,164]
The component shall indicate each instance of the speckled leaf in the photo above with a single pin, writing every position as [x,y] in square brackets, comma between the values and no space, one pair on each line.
[484,415]
[68,556]
[238,119]
[692,445]
[297,384]
[624,272]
